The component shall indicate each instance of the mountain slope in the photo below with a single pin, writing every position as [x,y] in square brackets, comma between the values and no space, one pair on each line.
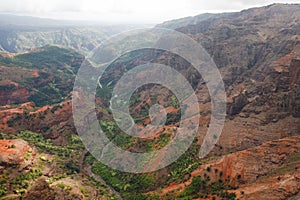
[258,54]
[22,33]
[177,23]
[44,76]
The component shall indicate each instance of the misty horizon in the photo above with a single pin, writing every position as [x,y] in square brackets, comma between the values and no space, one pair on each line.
[129,12]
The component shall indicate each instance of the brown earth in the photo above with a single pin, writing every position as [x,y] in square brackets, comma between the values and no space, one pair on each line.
[13,151]
[258,54]
[271,168]
[52,121]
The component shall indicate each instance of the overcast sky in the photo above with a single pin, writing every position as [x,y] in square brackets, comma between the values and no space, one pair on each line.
[126,11]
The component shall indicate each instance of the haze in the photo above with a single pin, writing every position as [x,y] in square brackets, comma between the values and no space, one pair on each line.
[125,11]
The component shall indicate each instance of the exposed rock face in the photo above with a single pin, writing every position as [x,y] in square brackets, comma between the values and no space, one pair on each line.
[51,121]
[258,54]
[40,190]
[274,188]
[251,164]
[15,94]
[295,72]
[269,171]
[12,152]
[239,102]
[259,48]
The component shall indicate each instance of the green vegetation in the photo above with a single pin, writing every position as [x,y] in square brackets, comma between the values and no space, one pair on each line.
[163,140]
[131,186]
[3,190]
[204,188]
[186,163]
[136,186]
[174,102]
[55,69]
[115,135]
[72,167]
[48,56]
[10,122]
[12,146]
[123,182]
[52,179]
[21,183]
[294,157]
[3,183]
[84,191]
[64,159]
[173,118]
[46,145]
[292,161]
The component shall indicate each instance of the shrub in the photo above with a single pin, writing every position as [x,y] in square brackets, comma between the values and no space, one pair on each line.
[72,167]
[3,190]
[221,174]
[208,169]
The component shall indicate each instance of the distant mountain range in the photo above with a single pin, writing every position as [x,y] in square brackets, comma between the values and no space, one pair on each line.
[29,21]
[177,23]
[22,33]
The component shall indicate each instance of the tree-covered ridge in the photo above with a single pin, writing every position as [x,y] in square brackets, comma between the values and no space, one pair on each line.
[44,76]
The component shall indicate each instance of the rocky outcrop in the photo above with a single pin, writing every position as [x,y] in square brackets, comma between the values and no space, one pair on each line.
[239,102]
[13,152]
[257,52]
[272,168]
[51,121]
[258,48]
[273,188]
[40,190]
[249,165]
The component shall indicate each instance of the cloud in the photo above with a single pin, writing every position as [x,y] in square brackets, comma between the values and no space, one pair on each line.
[230,5]
[38,6]
[126,10]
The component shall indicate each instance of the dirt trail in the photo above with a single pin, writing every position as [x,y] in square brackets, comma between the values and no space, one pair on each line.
[98,178]
[87,170]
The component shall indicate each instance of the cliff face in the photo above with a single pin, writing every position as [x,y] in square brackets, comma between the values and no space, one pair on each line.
[272,168]
[253,164]
[257,52]
[52,121]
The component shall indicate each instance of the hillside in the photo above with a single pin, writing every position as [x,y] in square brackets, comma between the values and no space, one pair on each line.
[44,76]
[178,23]
[23,33]
[258,54]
